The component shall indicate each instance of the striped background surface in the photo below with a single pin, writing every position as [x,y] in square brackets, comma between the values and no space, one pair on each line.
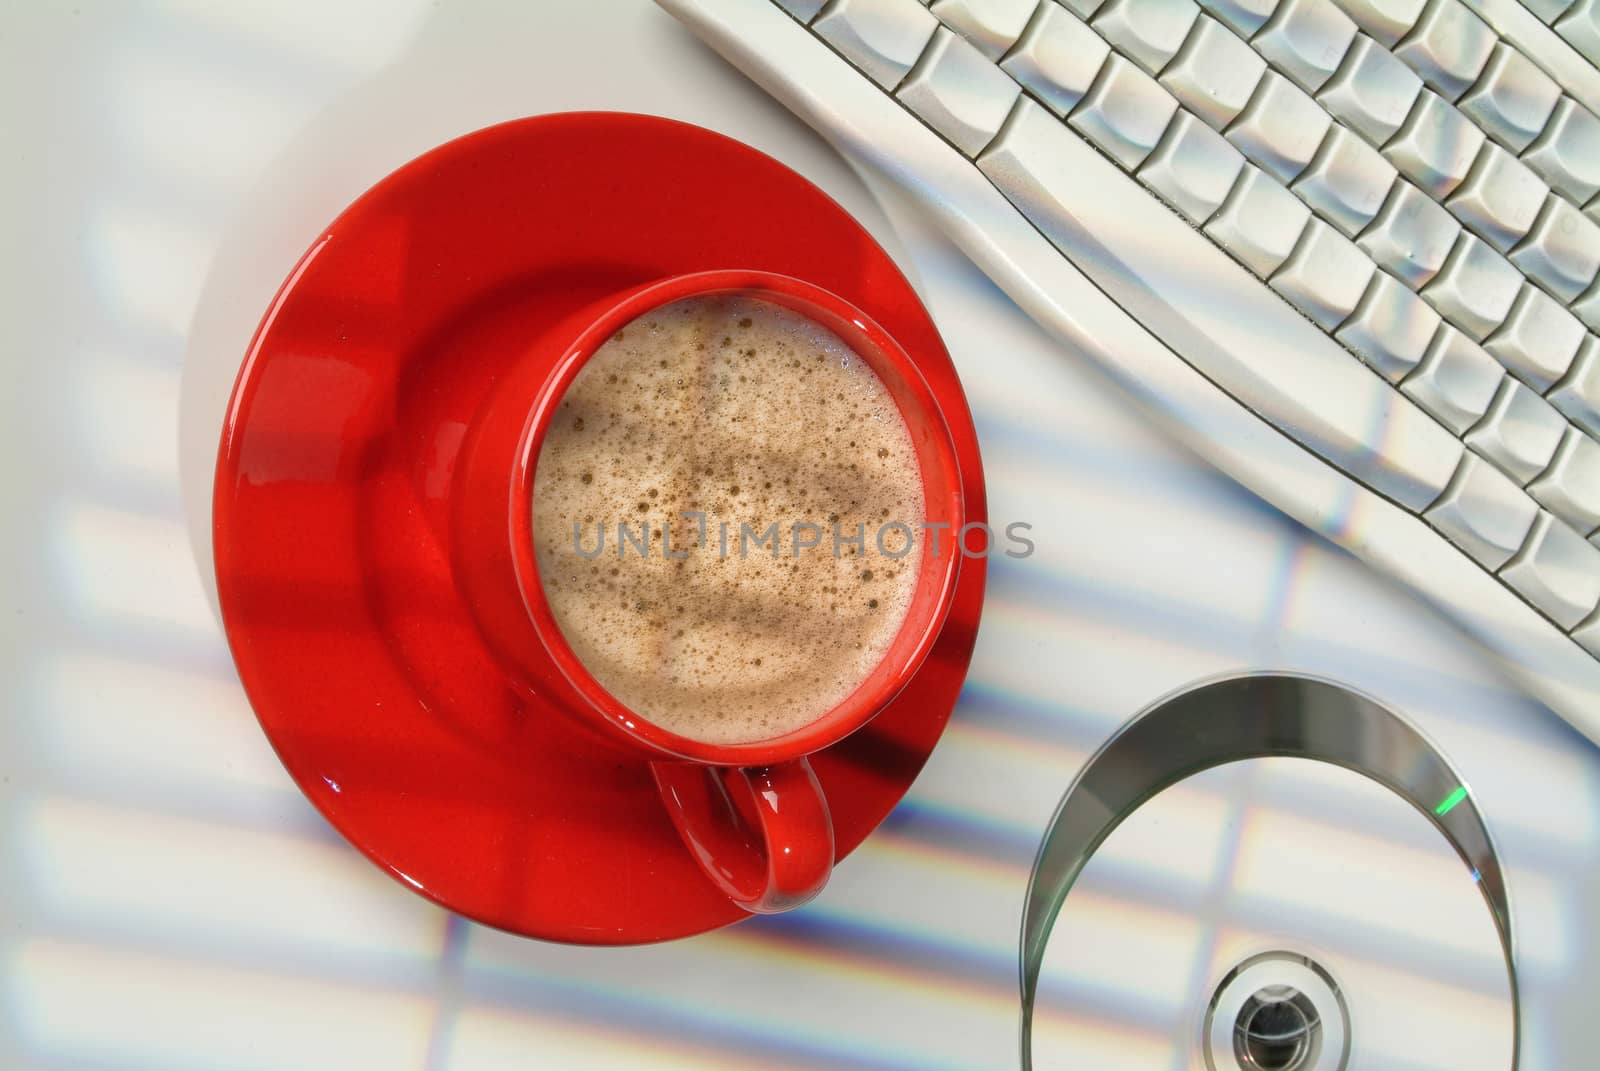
[167,898]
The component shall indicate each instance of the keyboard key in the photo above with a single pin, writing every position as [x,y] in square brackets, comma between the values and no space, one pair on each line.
[1449,47]
[1475,288]
[1193,168]
[992,26]
[1325,276]
[1306,40]
[1385,21]
[1149,32]
[881,37]
[1519,433]
[1562,250]
[1412,235]
[1567,154]
[1125,112]
[801,9]
[1588,634]
[1570,486]
[1548,10]
[1347,181]
[1512,100]
[959,93]
[1214,73]
[1580,28]
[1391,328]
[1587,307]
[1280,129]
[1578,393]
[1435,146]
[1057,58]
[1557,571]
[1081,8]
[1456,381]
[1371,91]
[1483,512]
[1260,222]
[1538,340]
[1499,199]
[1244,16]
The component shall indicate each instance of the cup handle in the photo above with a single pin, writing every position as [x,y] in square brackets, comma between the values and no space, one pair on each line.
[762,834]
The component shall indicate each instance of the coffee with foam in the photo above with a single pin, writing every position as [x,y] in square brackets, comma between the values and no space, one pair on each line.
[680,443]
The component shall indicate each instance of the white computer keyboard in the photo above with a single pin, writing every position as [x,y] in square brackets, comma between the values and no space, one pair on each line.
[1348,249]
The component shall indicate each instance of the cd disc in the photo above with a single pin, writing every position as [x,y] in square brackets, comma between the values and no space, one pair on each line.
[1279,910]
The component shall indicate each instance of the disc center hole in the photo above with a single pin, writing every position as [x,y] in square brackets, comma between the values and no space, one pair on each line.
[1275,1030]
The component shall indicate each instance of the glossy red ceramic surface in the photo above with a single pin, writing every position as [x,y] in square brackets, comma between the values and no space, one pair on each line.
[765,837]
[372,662]
[941,480]
[762,834]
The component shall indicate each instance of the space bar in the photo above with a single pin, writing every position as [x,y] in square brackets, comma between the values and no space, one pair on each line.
[1213,313]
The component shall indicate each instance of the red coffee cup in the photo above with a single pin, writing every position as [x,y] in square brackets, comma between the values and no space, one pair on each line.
[752,814]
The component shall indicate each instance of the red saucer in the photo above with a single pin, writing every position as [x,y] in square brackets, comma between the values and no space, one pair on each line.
[332,524]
